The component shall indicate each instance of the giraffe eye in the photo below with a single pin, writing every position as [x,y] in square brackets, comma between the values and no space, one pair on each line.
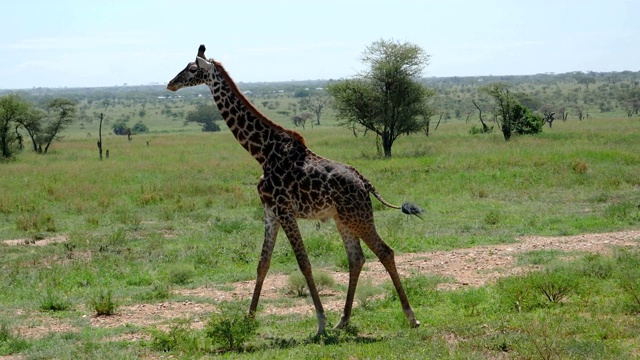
[193,68]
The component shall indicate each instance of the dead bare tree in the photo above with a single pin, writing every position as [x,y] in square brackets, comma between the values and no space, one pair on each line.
[100,136]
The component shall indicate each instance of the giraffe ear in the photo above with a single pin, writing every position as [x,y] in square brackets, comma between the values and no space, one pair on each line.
[203,63]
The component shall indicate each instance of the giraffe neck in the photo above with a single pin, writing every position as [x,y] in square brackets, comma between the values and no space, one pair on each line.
[253,130]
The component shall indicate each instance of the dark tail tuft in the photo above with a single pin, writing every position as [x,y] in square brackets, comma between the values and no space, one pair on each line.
[412,209]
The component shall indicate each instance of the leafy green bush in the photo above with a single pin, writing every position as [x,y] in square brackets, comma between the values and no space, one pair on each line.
[140,128]
[524,121]
[232,327]
[180,274]
[180,337]
[120,127]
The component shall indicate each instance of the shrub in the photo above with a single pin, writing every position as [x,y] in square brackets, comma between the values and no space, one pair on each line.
[180,274]
[52,301]
[524,121]
[179,337]
[298,284]
[103,303]
[421,289]
[231,328]
[157,292]
[365,292]
[579,167]
[139,128]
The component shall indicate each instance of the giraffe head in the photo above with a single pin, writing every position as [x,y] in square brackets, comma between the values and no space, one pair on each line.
[196,73]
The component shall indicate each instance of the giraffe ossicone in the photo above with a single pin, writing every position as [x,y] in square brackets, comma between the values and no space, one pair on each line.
[296,184]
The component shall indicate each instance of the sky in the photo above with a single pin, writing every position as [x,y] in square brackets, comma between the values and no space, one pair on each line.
[86,43]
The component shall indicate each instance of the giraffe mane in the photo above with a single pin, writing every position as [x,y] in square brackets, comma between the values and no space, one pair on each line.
[262,117]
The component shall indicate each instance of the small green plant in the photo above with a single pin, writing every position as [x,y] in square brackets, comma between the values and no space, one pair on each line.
[157,292]
[492,218]
[323,280]
[544,335]
[596,265]
[365,293]
[10,343]
[36,222]
[628,277]
[103,303]
[554,284]
[470,300]
[420,289]
[231,328]
[180,274]
[297,284]
[180,337]
[579,167]
[538,257]
[52,301]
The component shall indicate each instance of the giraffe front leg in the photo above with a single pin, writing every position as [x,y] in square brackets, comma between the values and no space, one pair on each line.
[356,261]
[271,226]
[290,227]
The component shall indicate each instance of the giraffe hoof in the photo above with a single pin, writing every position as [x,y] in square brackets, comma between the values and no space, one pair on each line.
[415,324]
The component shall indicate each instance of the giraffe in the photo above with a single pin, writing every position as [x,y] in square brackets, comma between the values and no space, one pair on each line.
[298,184]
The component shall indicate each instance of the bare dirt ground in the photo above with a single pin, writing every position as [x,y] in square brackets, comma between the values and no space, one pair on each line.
[469,267]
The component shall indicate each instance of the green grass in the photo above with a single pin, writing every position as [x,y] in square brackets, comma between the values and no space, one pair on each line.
[184,212]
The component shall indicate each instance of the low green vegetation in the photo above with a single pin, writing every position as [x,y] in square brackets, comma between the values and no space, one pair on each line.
[169,213]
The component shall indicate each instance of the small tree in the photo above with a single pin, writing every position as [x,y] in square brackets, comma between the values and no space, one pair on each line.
[32,123]
[510,116]
[387,100]
[139,128]
[61,113]
[120,127]
[205,116]
[12,109]
[316,102]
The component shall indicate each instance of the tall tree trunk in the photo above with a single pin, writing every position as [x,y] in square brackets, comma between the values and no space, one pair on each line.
[386,145]
[100,137]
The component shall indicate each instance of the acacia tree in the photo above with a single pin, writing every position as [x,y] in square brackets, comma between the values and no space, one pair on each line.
[32,123]
[61,113]
[316,102]
[12,108]
[205,116]
[387,99]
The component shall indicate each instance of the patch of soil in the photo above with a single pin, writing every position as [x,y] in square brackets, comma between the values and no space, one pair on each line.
[467,267]
[474,266]
[156,314]
[36,242]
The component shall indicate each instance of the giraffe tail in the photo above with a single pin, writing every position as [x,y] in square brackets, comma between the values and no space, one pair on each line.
[408,208]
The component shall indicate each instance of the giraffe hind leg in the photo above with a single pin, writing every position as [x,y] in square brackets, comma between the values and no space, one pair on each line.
[386,256]
[271,227]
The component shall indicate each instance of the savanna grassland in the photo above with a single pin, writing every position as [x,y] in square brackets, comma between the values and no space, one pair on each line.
[172,213]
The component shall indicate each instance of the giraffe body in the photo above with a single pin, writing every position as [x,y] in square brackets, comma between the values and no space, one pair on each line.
[298,184]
